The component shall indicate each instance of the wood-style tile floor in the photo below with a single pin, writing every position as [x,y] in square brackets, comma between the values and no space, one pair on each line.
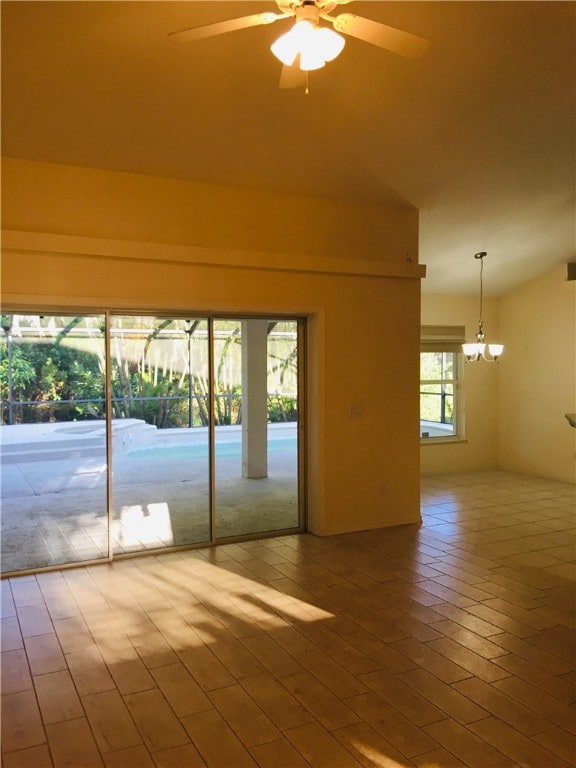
[450,644]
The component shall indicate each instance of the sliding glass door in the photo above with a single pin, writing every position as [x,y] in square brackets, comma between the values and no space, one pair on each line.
[256,425]
[123,433]
[160,432]
[53,440]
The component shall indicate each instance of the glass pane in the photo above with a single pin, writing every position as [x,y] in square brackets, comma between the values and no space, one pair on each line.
[53,448]
[160,434]
[437,365]
[437,394]
[256,425]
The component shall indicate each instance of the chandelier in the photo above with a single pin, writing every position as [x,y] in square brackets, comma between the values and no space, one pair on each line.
[479,349]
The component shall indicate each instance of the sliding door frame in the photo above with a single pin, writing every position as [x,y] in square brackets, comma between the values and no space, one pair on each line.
[302,425]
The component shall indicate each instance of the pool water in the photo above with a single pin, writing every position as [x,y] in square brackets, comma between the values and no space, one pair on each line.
[200,450]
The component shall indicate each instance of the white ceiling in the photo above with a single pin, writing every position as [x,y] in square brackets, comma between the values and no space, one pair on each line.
[479,134]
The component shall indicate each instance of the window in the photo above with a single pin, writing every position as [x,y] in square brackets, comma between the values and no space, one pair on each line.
[440,358]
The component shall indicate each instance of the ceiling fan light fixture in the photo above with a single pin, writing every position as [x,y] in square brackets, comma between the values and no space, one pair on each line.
[314,45]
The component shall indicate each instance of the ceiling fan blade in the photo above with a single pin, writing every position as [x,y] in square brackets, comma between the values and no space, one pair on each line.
[220,27]
[292,77]
[395,40]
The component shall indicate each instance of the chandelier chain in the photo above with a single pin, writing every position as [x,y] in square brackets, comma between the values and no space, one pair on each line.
[481,287]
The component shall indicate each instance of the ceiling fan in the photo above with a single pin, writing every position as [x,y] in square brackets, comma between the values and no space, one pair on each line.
[308,45]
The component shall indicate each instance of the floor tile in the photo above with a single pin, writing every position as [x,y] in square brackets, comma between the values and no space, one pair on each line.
[132,757]
[21,721]
[155,720]
[522,750]
[369,747]
[381,653]
[548,683]
[320,748]
[537,701]
[488,649]
[57,697]
[236,658]
[274,658]
[467,620]
[447,644]
[283,709]
[403,734]
[471,662]
[528,651]
[438,758]
[152,648]
[111,723]
[126,668]
[244,716]
[73,633]
[504,707]
[406,700]
[560,742]
[34,620]
[278,754]
[216,742]
[438,663]
[180,689]
[445,697]
[89,671]
[61,604]
[33,757]
[14,671]
[10,635]
[331,674]
[467,746]
[205,668]
[26,592]
[502,620]
[317,699]
[186,756]
[72,744]
[44,654]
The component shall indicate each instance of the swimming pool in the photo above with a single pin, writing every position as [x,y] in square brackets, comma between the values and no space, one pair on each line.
[227,449]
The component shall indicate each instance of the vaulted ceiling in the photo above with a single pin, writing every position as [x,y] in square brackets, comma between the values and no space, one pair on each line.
[479,134]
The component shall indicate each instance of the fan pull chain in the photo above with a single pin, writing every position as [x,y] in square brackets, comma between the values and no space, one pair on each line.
[307,91]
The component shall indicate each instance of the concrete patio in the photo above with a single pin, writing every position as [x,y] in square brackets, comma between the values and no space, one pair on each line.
[54,490]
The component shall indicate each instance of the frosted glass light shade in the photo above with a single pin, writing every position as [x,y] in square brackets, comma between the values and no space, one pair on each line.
[473,350]
[495,349]
[288,45]
[329,42]
[311,59]
[315,45]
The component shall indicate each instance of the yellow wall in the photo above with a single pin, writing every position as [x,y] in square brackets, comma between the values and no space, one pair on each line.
[514,410]
[82,238]
[479,448]
[538,382]
[127,206]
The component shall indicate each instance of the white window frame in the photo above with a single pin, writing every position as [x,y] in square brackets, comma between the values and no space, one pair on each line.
[442,338]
